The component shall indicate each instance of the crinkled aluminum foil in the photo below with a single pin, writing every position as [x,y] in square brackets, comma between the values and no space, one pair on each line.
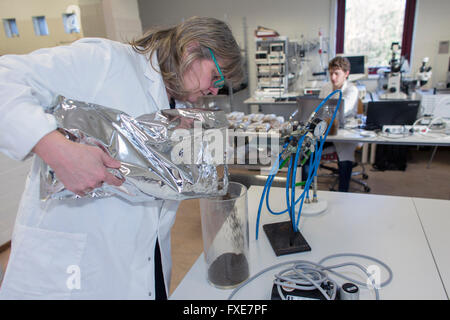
[164,155]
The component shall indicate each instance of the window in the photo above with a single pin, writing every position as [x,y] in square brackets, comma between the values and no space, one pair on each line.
[40,26]
[369,27]
[70,22]
[10,27]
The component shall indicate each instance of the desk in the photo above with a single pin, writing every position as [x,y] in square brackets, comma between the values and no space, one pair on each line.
[435,218]
[355,135]
[384,227]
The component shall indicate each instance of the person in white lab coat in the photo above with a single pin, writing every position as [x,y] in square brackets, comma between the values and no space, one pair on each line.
[105,248]
[339,69]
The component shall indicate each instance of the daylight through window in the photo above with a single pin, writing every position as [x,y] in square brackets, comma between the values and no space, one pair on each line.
[371,26]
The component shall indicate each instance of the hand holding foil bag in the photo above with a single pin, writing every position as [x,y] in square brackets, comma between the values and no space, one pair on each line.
[172,154]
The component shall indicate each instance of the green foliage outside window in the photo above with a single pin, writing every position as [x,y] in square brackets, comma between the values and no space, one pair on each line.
[371,26]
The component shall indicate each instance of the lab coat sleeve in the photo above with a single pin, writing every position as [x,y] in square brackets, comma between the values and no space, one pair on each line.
[30,83]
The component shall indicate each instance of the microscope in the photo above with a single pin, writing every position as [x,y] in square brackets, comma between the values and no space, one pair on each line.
[392,90]
[424,74]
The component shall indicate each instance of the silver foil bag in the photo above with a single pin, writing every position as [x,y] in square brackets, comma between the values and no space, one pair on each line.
[172,154]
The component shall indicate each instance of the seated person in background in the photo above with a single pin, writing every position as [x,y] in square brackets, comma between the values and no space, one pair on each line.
[339,69]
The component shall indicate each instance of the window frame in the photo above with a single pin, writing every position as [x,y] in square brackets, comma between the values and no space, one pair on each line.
[407,34]
[40,26]
[10,26]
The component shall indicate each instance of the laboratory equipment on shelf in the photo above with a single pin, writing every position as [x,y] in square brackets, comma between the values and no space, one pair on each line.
[313,56]
[304,144]
[272,69]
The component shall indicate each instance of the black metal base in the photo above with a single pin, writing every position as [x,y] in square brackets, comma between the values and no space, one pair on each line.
[284,240]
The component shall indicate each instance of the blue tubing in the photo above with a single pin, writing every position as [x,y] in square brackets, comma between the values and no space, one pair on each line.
[293,181]
[288,204]
[294,173]
[266,187]
[291,202]
[314,161]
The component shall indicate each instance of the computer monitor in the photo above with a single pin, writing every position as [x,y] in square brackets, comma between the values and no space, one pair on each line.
[358,69]
[394,112]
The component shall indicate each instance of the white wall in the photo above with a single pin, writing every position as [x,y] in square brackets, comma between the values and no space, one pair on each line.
[122,19]
[432,26]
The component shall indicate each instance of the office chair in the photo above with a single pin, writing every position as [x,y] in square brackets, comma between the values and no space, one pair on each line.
[332,157]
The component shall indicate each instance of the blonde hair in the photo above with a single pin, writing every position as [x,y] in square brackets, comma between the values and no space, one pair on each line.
[177,47]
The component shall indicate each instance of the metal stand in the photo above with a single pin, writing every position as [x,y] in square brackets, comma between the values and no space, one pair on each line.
[314,206]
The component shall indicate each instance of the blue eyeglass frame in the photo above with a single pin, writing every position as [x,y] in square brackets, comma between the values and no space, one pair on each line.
[221,82]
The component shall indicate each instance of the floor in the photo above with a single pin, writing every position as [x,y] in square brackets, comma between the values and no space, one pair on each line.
[416,181]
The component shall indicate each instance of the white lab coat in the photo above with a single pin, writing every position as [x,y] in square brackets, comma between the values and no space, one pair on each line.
[83,248]
[344,150]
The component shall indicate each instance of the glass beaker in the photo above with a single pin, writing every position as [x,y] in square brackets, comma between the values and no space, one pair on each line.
[226,237]
[326,113]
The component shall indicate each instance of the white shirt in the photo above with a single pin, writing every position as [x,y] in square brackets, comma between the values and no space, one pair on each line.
[83,248]
[345,150]
[349,95]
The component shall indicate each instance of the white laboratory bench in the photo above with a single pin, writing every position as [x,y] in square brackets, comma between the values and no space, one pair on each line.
[356,135]
[384,227]
[435,218]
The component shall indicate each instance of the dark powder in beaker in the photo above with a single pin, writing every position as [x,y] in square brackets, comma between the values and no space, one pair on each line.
[228,269]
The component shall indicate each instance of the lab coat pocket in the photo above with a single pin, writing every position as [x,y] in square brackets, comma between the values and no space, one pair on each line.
[44,265]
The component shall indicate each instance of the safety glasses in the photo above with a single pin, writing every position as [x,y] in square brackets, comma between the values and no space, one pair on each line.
[221,82]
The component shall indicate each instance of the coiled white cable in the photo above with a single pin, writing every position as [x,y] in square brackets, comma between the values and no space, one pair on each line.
[307,275]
